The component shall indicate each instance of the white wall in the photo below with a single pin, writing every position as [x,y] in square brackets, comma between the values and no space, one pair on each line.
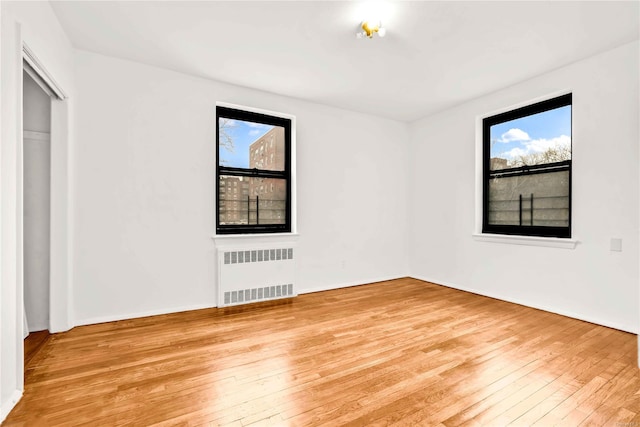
[37,182]
[35,24]
[589,282]
[37,185]
[37,111]
[145,190]
[139,188]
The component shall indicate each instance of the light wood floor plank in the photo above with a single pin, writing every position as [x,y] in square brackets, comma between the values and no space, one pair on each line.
[402,352]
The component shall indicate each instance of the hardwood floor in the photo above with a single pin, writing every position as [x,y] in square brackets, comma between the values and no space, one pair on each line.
[33,344]
[403,352]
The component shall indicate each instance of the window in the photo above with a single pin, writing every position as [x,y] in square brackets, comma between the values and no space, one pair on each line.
[527,170]
[241,137]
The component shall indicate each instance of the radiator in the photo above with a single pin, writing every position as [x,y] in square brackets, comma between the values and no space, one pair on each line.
[253,274]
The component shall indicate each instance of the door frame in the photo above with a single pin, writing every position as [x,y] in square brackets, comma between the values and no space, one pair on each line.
[60,242]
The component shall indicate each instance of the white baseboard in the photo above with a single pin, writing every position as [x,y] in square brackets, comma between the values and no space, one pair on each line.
[8,405]
[590,319]
[38,327]
[116,317]
[608,324]
[347,284]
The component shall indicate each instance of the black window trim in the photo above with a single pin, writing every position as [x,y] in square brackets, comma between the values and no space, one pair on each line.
[487,174]
[250,116]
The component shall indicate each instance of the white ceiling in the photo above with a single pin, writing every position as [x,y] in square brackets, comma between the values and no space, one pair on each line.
[435,54]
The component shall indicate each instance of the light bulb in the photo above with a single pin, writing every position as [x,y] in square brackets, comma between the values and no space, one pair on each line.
[373,23]
[368,28]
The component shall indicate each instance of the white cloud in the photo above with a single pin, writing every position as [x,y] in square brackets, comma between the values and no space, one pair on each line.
[514,152]
[537,146]
[514,135]
[257,128]
[257,125]
[542,145]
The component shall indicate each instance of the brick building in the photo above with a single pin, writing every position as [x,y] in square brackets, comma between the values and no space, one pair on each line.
[268,195]
[234,191]
[246,200]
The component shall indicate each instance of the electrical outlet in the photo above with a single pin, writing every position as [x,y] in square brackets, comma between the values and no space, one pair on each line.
[616,245]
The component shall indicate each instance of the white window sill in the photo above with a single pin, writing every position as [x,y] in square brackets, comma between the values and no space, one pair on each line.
[230,240]
[549,242]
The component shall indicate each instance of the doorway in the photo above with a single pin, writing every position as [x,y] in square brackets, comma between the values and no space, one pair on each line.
[36,204]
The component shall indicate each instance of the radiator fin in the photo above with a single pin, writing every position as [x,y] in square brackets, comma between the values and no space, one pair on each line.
[258,294]
[260,255]
[252,274]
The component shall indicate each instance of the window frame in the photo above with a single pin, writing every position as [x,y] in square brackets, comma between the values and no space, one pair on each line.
[286,174]
[517,113]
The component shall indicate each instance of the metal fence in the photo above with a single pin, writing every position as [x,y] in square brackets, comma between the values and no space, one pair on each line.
[530,210]
[252,211]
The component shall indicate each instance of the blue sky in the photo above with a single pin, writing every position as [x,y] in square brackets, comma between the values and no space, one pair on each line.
[532,134]
[243,135]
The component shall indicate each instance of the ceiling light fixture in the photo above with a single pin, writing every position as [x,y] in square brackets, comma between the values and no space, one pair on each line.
[369,28]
